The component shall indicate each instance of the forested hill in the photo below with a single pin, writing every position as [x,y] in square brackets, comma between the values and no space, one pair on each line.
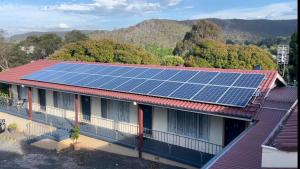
[167,33]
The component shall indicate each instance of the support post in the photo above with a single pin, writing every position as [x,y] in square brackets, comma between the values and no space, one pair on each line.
[76,110]
[141,131]
[30,103]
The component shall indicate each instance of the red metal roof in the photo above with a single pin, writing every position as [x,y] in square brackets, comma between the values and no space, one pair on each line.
[287,137]
[246,152]
[14,76]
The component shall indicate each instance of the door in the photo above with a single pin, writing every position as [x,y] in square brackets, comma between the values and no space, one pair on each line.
[233,128]
[42,99]
[147,118]
[86,107]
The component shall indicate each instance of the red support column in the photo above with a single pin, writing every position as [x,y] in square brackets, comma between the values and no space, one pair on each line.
[141,131]
[76,110]
[30,103]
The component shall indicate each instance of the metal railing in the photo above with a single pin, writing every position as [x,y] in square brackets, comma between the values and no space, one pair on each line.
[116,131]
[167,144]
[13,106]
[183,141]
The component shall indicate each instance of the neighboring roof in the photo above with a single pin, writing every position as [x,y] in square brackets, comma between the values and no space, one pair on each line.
[246,151]
[286,138]
[14,75]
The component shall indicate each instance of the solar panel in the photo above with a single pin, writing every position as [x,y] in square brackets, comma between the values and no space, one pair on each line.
[147,86]
[72,68]
[165,89]
[226,79]
[129,85]
[75,79]
[114,83]
[99,82]
[84,80]
[210,94]
[121,71]
[203,77]
[108,70]
[135,72]
[249,80]
[237,96]
[149,73]
[93,69]
[183,76]
[230,89]
[165,74]
[186,91]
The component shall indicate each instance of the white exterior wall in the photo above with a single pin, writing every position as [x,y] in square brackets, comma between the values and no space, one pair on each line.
[14,91]
[272,158]
[216,125]
[216,130]
[159,118]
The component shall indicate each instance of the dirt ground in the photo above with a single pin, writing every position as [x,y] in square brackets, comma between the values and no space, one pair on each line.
[17,154]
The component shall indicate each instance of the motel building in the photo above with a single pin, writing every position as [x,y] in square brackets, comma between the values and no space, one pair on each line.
[187,117]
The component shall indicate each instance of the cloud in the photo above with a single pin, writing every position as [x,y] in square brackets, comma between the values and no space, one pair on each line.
[63,26]
[100,7]
[143,6]
[173,2]
[110,4]
[286,10]
[26,18]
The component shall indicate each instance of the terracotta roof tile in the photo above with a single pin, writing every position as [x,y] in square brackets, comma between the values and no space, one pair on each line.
[14,76]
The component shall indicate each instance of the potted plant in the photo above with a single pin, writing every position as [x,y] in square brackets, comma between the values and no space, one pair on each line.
[12,127]
[74,135]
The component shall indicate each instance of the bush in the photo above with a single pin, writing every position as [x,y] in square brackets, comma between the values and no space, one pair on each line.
[170,60]
[12,126]
[74,134]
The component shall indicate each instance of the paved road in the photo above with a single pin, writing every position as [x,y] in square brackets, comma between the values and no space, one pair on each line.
[16,154]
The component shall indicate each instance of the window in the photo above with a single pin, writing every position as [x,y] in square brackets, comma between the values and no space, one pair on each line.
[55,99]
[63,100]
[22,92]
[188,124]
[115,110]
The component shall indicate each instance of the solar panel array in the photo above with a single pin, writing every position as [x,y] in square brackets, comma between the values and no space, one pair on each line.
[231,89]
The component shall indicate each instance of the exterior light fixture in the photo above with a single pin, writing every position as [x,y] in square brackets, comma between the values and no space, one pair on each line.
[134,103]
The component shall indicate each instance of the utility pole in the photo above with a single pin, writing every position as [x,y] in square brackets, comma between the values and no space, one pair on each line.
[282,57]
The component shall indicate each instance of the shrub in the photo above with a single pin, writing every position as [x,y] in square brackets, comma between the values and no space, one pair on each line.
[170,60]
[74,134]
[12,126]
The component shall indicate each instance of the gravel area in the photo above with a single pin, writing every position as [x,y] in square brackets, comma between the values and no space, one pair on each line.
[17,154]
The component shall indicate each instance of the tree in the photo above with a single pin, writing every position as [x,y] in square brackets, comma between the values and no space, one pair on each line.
[158,51]
[75,36]
[106,51]
[42,46]
[202,30]
[11,56]
[293,57]
[171,60]
[203,46]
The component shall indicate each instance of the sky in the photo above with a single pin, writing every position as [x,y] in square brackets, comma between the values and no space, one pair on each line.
[20,16]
